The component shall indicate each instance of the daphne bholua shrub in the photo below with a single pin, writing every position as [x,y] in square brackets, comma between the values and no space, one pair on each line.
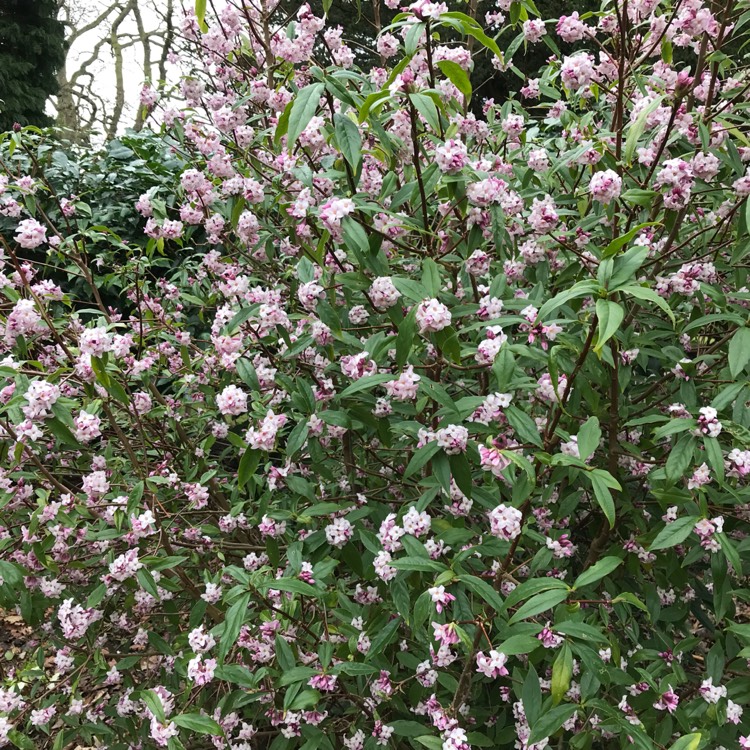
[390,426]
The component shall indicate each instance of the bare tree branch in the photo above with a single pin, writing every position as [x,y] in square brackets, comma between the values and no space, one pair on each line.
[146,28]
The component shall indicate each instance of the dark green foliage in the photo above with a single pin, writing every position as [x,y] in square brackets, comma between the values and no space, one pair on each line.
[32,49]
[104,184]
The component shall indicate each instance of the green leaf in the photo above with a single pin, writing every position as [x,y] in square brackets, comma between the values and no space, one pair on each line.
[405,338]
[198,723]
[373,100]
[585,288]
[406,728]
[303,109]
[531,696]
[483,590]
[383,638]
[680,458]
[430,742]
[147,582]
[549,722]
[533,586]
[581,630]
[235,617]
[609,315]
[61,432]
[637,128]
[539,603]
[519,644]
[674,426]
[603,495]
[688,742]
[200,14]
[739,350]
[301,701]
[625,266]
[431,277]
[355,237]
[240,317]
[639,197]
[457,76]
[237,675]
[284,654]
[470,27]
[354,668]
[366,383]
[247,373]
[348,139]
[741,629]
[411,289]
[297,674]
[154,704]
[503,368]
[414,34]
[730,552]
[21,741]
[426,107]
[623,240]
[647,295]
[292,585]
[94,598]
[588,438]
[524,426]
[461,473]
[297,438]
[521,461]
[562,673]
[629,598]
[118,392]
[715,456]
[248,464]
[448,344]
[423,564]
[11,573]
[597,571]
[421,457]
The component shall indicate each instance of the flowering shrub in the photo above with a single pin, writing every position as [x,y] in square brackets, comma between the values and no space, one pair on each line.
[395,427]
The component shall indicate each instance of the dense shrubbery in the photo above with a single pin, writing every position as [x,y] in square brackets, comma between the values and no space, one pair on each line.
[390,426]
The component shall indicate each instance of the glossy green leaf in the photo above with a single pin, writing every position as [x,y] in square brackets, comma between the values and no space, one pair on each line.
[597,571]
[304,106]
[609,317]
[562,674]
[457,76]
[588,438]
[739,351]
[199,723]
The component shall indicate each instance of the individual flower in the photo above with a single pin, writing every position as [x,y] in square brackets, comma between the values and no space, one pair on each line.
[493,665]
[505,522]
[232,401]
[452,156]
[30,234]
[383,293]
[605,186]
[432,315]
[668,701]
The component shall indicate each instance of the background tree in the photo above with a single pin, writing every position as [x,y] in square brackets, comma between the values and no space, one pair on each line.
[32,49]
[113,39]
